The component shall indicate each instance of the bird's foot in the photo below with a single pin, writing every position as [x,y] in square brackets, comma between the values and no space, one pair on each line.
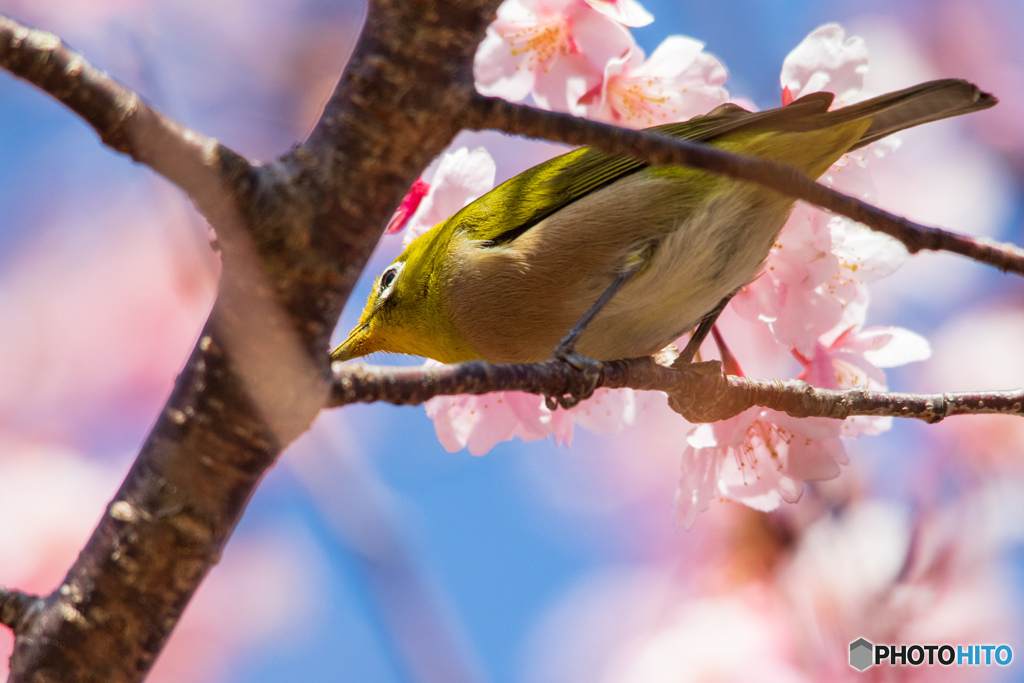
[591,369]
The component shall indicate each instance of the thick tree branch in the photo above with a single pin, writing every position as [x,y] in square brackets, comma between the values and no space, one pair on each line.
[124,122]
[700,392]
[491,112]
[294,236]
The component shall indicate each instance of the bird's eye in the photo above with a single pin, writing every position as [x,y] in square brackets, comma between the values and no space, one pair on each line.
[387,278]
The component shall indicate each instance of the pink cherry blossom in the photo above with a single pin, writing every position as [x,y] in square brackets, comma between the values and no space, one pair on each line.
[554,50]
[482,422]
[816,275]
[826,60]
[626,12]
[759,458]
[789,293]
[679,81]
[816,272]
[461,177]
[855,358]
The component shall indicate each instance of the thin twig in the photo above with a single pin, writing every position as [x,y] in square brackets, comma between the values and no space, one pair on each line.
[700,392]
[124,122]
[799,399]
[492,112]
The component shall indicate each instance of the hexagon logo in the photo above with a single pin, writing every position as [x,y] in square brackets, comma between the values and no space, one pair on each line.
[861,654]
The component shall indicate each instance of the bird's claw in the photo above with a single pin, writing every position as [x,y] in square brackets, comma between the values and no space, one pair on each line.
[591,370]
[567,354]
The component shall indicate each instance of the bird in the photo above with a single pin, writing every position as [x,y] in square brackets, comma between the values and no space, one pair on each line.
[505,278]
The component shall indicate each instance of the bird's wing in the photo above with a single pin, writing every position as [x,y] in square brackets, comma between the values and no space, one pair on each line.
[517,205]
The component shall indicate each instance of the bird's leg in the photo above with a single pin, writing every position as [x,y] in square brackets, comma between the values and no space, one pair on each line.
[565,351]
[711,368]
[701,333]
[566,348]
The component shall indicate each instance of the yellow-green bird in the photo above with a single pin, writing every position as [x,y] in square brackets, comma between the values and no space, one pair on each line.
[505,278]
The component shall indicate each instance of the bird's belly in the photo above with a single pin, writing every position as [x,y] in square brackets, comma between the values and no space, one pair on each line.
[528,295]
[715,252]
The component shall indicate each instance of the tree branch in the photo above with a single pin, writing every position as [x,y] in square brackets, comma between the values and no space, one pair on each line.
[699,391]
[17,607]
[492,112]
[800,399]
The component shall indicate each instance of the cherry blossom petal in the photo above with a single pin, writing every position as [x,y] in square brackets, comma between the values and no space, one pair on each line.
[626,12]
[888,347]
[564,85]
[608,411]
[761,487]
[865,255]
[724,433]
[826,60]
[699,480]
[482,422]
[807,314]
[762,300]
[496,70]
[461,177]
[598,38]
[533,419]
[678,82]
[407,207]
[814,451]
[454,422]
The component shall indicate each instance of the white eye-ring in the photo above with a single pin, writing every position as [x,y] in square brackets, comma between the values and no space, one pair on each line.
[387,279]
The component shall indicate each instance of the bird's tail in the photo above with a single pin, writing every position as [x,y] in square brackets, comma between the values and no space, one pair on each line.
[922,103]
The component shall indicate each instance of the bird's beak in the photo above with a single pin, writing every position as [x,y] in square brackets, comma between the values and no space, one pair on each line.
[354,345]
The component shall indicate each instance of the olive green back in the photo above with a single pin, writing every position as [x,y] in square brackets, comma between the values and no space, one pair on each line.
[518,204]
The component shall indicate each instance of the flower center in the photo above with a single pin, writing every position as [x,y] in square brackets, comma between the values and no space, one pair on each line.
[633,99]
[542,40]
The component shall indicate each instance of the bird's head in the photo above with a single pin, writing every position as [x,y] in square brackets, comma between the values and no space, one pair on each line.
[406,311]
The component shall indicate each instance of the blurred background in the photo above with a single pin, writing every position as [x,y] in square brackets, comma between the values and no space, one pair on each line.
[371,553]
